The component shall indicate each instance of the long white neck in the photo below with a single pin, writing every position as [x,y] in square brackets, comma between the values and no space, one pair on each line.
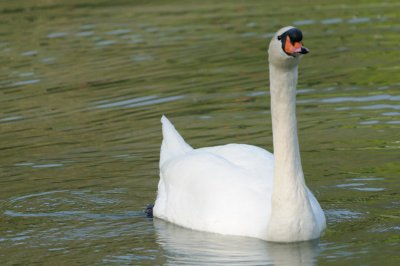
[292,218]
[287,168]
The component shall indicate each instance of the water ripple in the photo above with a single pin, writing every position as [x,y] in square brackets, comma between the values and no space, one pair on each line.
[372,98]
[119,32]
[338,215]
[77,215]
[10,119]
[361,99]
[30,53]
[141,101]
[125,102]
[85,33]
[26,82]
[50,165]
[57,35]
[331,21]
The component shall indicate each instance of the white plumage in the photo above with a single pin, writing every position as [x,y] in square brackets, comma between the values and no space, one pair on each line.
[239,189]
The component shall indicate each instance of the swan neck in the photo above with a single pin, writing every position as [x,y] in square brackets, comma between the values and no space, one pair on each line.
[291,218]
[288,168]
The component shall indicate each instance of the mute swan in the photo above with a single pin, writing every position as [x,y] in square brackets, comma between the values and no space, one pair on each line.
[239,189]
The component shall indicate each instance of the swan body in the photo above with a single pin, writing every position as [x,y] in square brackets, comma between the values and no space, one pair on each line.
[240,189]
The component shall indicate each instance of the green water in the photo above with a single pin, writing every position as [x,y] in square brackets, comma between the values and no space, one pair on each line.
[83,85]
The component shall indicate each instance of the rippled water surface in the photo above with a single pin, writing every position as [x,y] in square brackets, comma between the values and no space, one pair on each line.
[83,85]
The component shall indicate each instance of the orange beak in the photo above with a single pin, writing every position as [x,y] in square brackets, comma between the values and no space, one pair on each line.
[296,48]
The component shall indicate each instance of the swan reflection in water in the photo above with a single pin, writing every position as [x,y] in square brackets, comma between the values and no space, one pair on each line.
[188,247]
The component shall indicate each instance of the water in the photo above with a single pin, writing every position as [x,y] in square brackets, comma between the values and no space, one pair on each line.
[84,84]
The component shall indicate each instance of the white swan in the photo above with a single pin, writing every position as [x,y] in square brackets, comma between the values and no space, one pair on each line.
[239,189]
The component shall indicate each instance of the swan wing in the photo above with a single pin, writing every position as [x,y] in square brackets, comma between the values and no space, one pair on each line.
[224,189]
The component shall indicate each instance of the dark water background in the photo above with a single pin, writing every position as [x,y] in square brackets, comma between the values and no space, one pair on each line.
[83,85]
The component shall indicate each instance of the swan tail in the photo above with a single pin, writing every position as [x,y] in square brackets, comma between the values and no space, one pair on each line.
[173,144]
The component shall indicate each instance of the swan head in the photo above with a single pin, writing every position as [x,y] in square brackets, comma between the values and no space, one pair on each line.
[286,47]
